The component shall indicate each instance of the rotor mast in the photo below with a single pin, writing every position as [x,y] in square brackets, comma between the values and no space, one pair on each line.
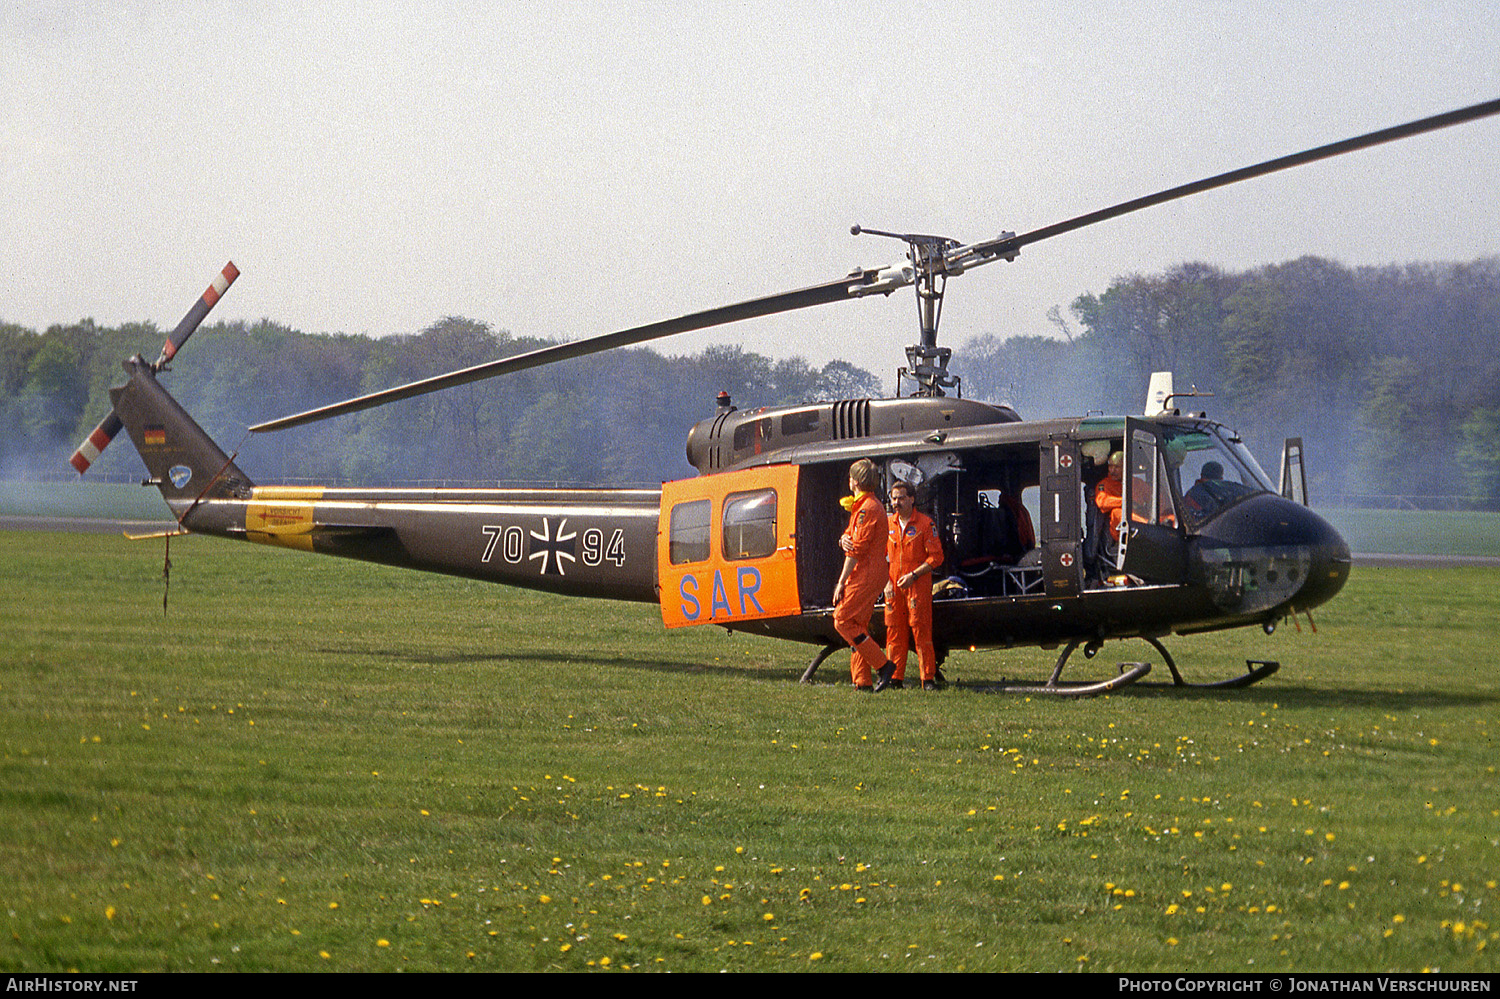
[933,258]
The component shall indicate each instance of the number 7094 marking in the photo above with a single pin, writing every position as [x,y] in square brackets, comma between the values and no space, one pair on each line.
[510,540]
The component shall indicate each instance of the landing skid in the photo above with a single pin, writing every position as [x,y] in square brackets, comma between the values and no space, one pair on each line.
[1256,670]
[817,661]
[1130,673]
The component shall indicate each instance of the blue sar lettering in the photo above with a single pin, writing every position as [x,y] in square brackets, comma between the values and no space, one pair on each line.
[688,590]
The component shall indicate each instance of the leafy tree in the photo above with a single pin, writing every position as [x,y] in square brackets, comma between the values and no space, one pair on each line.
[54,392]
[1479,455]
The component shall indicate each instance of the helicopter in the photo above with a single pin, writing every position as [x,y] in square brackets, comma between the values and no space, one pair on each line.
[1207,541]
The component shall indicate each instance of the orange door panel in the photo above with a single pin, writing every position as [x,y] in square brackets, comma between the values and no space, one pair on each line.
[726,547]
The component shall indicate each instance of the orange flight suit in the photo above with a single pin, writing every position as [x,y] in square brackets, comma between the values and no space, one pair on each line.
[1109,498]
[910,610]
[851,617]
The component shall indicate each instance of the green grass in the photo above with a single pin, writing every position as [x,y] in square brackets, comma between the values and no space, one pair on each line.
[1418,532]
[82,498]
[308,757]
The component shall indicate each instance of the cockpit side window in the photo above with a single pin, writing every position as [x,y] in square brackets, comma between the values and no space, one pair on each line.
[1214,473]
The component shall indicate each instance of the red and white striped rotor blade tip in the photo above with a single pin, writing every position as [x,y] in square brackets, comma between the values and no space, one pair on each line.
[94,443]
[196,314]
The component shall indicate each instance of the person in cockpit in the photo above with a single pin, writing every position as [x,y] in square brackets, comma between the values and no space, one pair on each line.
[1212,492]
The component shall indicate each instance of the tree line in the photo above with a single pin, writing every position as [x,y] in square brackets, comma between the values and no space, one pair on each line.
[1388,373]
[615,418]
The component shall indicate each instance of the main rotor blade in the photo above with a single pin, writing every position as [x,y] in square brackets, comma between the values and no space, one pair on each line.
[859,283]
[1003,245]
[866,282]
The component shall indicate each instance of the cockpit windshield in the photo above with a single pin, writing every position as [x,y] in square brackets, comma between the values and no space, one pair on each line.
[1214,468]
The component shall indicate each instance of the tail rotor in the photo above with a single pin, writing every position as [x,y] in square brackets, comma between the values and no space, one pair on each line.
[94,444]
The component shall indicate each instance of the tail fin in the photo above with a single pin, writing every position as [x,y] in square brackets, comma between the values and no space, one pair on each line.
[184,462]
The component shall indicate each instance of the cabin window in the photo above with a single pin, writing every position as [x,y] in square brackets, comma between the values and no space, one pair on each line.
[688,541]
[752,435]
[804,422]
[750,524]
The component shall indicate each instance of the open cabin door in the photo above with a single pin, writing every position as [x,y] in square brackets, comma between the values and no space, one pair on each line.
[1293,474]
[1155,547]
[1061,536]
[726,547]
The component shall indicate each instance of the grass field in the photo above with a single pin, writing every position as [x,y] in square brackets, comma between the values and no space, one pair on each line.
[82,498]
[310,764]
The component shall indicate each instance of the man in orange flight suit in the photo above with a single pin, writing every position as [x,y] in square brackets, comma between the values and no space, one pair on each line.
[1109,494]
[863,578]
[915,553]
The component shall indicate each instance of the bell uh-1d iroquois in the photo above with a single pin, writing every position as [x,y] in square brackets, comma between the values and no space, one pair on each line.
[1205,541]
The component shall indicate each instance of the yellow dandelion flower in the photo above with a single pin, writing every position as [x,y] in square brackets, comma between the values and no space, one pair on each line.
[816,955]
[382,942]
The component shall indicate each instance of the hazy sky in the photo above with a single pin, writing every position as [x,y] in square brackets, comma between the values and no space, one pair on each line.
[570,169]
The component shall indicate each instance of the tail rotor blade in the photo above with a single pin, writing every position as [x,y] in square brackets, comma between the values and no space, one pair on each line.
[196,314]
[94,443]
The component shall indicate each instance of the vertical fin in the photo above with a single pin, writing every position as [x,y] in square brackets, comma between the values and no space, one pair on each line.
[184,462]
